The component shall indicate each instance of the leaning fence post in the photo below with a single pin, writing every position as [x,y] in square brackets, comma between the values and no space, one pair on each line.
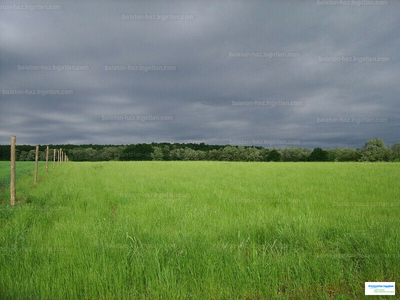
[47,159]
[36,164]
[54,158]
[12,182]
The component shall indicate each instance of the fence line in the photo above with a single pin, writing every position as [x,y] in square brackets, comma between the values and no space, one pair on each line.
[12,182]
[47,159]
[36,164]
[62,157]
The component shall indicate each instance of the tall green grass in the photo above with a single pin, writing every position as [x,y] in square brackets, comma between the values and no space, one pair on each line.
[22,171]
[201,230]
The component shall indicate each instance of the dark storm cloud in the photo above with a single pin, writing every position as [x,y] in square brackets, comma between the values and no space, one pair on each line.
[234,72]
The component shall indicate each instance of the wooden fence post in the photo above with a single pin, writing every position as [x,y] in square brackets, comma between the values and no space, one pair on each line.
[12,182]
[54,158]
[47,159]
[36,164]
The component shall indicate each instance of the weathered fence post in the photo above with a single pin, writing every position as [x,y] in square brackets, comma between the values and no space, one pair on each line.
[54,158]
[36,164]
[12,182]
[47,159]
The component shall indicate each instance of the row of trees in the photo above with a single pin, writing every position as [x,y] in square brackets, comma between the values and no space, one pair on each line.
[373,150]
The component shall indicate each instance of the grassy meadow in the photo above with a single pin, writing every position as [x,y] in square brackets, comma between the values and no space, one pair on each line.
[199,230]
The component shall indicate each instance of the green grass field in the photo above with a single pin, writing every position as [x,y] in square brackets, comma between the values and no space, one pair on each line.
[199,230]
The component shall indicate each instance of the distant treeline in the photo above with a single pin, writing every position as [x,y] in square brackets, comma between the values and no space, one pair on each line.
[373,150]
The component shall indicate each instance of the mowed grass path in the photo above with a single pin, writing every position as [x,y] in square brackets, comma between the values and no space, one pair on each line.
[201,230]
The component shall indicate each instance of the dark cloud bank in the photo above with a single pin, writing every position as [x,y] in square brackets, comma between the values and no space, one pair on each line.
[305,73]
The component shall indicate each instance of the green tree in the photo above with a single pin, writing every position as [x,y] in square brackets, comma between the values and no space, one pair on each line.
[166,153]
[176,154]
[189,154]
[396,151]
[31,155]
[23,156]
[42,155]
[17,154]
[318,154]
[138,152]
[274,155]
[345,154]
[375,150]
[213,154]
[90,154]
[253,154]
[157,154]
[295,154]
[229,153]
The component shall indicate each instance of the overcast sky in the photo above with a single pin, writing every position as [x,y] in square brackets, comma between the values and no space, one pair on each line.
[273,74]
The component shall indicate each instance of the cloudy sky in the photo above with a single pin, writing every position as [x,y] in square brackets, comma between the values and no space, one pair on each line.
[277,73]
